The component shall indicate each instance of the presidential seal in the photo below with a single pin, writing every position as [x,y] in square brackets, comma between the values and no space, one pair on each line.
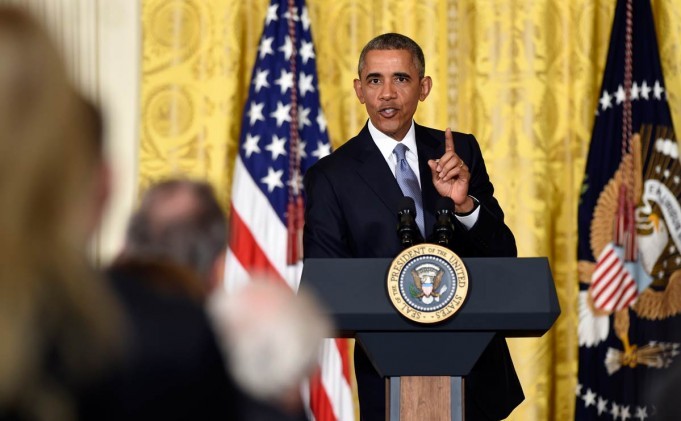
[427,283]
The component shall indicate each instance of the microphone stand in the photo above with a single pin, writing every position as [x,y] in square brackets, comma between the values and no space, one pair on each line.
[443,231]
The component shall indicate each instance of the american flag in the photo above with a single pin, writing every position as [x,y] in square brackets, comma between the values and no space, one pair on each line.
[283,133]
[629,231]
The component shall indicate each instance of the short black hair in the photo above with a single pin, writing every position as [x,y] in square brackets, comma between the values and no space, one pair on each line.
[394,41]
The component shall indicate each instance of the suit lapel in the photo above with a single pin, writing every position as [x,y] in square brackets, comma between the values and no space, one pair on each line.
[429,148]
[375,172]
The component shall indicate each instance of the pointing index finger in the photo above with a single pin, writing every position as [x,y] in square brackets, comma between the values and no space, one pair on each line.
[449,140]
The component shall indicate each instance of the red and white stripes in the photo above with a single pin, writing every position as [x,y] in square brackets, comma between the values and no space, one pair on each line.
[612,285]
[258,247]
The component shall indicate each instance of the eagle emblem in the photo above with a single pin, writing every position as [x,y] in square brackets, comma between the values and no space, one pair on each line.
[427,283]
[427,280]
[655,183]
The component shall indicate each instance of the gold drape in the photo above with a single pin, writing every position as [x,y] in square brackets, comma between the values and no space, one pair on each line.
[522,76]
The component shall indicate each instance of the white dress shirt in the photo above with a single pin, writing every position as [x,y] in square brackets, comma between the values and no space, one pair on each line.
[386,145]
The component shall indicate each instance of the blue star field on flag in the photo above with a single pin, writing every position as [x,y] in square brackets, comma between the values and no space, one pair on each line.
[265,141]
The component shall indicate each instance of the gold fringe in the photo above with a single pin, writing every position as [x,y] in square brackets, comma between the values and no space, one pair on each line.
[622,326]
[638,167]
[657,305]
[604,215]
[585,270]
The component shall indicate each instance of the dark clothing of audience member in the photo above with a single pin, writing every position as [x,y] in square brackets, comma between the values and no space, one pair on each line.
[174,370]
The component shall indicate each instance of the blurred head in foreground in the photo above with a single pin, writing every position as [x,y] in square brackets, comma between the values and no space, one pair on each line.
[179,222]
[271,338]
[52,189]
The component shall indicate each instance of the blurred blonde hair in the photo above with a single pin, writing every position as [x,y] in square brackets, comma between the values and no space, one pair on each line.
[52,307]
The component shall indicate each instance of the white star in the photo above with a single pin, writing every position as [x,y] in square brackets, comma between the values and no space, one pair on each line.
[321,121]
[657,90]
[260,80]
[672,250]
[589,398]
[641,413]
[271,13]
[304,117]
[620,95]
[285,81]
[301,149]
[251,145]
[615,411]
[306,51]
[677,260]
[305,18]
[273,179]
[666,173]
[677,179]
[602,404]
[287,15]
[322,150]
[282,113]
[296,182]
[277,147]
[255,112]
[645,90]
[606,100]
[578,389]
[624,413]
[287,48]
[265,47]
[305,84]
[635,92]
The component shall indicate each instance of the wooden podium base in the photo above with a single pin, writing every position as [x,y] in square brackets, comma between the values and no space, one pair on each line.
[420,398]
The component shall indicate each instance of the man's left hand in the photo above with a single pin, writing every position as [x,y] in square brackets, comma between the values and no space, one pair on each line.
[451,176]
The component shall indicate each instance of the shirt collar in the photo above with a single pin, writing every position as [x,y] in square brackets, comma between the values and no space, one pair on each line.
[386,144]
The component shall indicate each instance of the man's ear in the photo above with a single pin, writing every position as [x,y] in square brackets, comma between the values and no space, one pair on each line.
[426,84]
[358,90]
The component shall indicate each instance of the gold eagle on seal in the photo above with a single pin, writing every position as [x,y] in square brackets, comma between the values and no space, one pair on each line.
[427,279]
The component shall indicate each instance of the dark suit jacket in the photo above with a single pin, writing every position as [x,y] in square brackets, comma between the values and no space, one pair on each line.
[174,369]
[351,211]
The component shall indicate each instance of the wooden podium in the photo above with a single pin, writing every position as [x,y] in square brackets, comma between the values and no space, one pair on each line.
[513,297]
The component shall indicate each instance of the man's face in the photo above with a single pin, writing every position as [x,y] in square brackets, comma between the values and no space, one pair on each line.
[391,89]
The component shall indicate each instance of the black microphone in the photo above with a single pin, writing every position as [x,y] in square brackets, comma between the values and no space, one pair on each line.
[443,231]
[407,231]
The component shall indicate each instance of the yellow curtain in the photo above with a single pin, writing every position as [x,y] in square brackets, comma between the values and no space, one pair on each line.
[522,76]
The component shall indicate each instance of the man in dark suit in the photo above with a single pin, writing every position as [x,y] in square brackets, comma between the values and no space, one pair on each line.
[353,197]
[174,369]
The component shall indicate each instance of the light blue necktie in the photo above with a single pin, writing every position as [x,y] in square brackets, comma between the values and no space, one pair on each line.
[409,183]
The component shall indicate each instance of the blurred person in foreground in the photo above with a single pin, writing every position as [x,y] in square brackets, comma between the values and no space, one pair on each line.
[172,257]
[179,223]
[271,338]
[58,323]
